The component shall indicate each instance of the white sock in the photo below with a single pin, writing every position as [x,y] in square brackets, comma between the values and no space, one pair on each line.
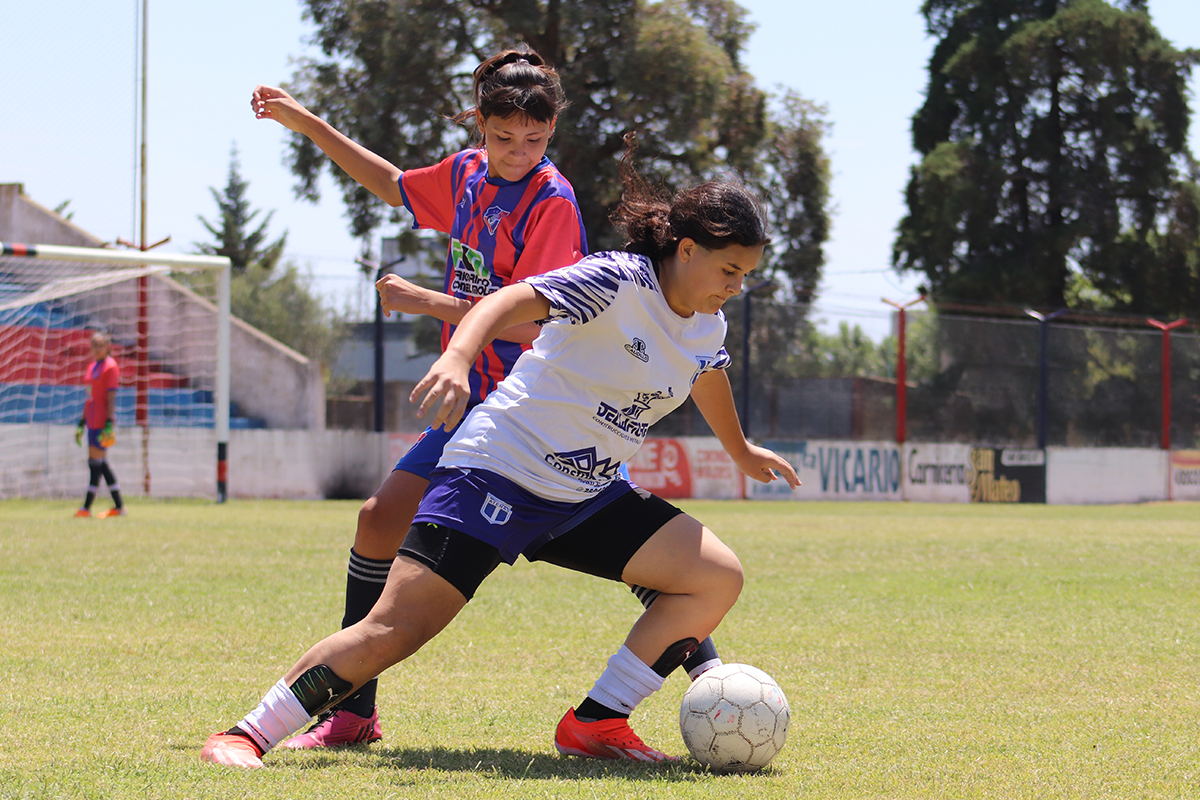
[625,682]
[278,716]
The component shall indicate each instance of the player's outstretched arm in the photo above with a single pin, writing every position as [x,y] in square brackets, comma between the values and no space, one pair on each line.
[714,397]
[375,173]
[447,378]
[406,297]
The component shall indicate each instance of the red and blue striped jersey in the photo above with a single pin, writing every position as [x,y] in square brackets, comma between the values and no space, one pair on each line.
[500,232]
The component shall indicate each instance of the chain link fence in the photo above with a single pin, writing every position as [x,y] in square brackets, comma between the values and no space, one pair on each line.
[971,379]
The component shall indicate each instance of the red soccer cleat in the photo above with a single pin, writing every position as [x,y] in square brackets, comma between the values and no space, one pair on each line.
[232,751]
[337,729]
[83,512]
[112,512]
[606,738]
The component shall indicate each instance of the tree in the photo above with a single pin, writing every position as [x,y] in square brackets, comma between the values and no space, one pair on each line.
[234,239]
[1054,162]
[282,304]
[395,71]
[278,301]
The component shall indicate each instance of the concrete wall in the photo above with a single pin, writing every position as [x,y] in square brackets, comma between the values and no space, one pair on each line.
[274,383]
[43,461]
[26,222]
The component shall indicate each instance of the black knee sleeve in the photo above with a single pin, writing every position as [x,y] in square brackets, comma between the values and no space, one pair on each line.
[674,655]
[319,689]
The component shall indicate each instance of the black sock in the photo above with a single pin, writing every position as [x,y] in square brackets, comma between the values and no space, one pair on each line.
[93,482]
[589,710]
[365,579]
[707,651]
[111,480]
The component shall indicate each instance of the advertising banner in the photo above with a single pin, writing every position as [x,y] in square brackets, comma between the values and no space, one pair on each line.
[836,470]
[1185,475]
[686,467]
[1008,475]
[938,473]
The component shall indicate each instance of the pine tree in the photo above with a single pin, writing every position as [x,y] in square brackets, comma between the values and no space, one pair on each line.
[234,237]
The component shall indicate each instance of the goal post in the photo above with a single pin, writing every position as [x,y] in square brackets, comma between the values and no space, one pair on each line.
[169,318]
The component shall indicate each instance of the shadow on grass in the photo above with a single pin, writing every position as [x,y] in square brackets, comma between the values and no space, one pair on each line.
[502,763]
[505,763]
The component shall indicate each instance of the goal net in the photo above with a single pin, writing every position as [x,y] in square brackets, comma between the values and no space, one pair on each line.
[168,318]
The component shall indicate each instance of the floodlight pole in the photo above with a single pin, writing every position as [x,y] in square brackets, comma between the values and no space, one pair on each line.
[1043,369]
[746,293]
[901,370]
[377,389]
[1166,328]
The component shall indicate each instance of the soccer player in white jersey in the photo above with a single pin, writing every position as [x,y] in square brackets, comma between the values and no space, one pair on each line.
[533,470]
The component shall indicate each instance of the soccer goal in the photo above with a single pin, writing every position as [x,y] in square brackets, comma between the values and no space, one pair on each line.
[168,318]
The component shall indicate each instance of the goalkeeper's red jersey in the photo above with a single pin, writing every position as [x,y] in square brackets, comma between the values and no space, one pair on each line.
[101,376]
[500,232]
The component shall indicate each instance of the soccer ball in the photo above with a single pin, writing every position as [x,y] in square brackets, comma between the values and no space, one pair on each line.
[734,718]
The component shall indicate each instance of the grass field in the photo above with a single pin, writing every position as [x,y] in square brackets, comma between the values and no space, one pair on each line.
[927,651]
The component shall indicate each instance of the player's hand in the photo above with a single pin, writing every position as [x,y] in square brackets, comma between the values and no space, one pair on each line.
[403,296]
[447,379]
[765,465]
[271,102]
[79,431]
[107,437]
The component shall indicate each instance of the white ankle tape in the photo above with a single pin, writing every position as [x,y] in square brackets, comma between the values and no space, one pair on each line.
[278,716]
[625,682]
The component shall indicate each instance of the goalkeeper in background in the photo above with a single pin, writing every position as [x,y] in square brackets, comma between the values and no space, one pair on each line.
[97,421]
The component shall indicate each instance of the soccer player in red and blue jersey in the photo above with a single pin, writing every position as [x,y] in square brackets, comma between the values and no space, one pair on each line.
[510,214]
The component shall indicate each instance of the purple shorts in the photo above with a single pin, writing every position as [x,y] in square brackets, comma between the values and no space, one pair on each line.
[493,509]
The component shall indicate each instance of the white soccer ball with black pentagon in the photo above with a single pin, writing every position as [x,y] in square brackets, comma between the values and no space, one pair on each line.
[734,718]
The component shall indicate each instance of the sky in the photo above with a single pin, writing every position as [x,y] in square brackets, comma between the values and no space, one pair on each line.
[69,87]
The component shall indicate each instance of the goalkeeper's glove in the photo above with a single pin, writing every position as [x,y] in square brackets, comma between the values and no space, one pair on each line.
[79,429]
[107,437]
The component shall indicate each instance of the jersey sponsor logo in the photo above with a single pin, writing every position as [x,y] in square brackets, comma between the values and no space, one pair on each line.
[585,466]
[471,276]
[495,510]
[637,349]
[625,421]
[492,217]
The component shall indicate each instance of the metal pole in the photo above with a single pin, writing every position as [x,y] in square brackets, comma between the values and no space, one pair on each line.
[746,312]
[378,388]
[1043,371]
[746,365]
[1166,329]
[901,368]
[142,401]
[224,366]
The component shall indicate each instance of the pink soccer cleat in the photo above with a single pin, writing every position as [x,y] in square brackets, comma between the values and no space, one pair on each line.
[337,729]
[606,738]
[231,750]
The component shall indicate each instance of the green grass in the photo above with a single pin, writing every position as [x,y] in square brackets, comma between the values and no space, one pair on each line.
[947,651]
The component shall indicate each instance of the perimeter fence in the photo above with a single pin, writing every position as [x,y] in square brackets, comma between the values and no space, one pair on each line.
[970,379]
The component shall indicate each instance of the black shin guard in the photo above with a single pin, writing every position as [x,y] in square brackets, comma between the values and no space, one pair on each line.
[674,655]
[320,689]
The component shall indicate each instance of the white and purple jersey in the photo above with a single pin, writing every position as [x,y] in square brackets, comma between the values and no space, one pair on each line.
[612,360]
